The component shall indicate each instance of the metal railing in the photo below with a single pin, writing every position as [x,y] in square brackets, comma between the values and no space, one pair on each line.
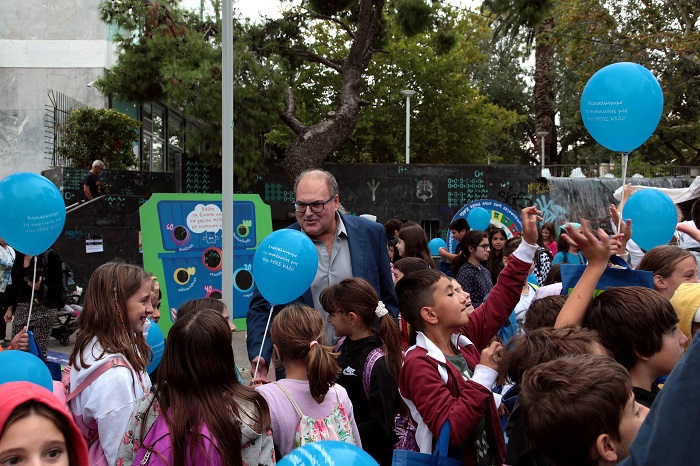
[56,116]
[610,171]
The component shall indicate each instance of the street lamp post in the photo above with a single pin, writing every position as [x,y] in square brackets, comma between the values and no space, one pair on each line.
[542,135]
[408,93]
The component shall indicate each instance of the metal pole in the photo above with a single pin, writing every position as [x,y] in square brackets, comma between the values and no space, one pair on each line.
[408,129]
[542,135]
[227,231]
[408,93]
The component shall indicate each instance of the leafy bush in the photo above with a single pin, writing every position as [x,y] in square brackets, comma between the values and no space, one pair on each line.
[98,133]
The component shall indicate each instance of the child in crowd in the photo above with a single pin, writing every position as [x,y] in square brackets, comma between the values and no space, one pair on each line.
[36,429]
[686,302]
[671,266]
[194,305]
[448,374]
[543,312]
[525,352]
[494,261]
[407,265]
[467,269]
[413,243]
[580,410]
[526,295]
[110,343]
[549,237]
[543,261]
[370,361]
[307,406]
[568,253]
[637,325]
[217,421]
[458,229]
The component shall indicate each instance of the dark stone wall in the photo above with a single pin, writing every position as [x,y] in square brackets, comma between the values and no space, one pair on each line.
[70,182]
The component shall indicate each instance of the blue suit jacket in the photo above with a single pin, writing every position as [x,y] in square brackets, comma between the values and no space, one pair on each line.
[370,260]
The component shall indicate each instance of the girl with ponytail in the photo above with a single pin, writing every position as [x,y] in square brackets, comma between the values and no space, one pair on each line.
[370,358]
[307,406]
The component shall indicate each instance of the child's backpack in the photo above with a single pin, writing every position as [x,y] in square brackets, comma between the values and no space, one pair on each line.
[155,450]
[404,427]
[335,426]
[96,454]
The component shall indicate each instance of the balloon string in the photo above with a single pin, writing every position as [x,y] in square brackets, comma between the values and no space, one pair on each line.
[31,301]
[257,364]
[625,156]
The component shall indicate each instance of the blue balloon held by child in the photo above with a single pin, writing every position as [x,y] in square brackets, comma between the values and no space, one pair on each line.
[653,216]
[621,106]
[284,265]
[20,366]
[435,244]
[156,341]
[479,218]
[33,212]
[327,453]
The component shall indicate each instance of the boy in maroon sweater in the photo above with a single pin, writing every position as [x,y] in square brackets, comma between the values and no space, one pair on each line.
[448,374]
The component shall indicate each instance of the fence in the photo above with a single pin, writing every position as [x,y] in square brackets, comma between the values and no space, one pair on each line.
[610,171]
[56,117]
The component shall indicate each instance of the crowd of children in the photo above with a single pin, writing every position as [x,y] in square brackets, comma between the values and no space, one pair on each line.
[522,373]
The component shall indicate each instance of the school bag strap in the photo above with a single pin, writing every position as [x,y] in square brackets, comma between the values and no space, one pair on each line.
[116,362]
[372,357]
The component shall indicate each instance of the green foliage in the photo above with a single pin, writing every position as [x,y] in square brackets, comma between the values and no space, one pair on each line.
[174,56]
[97,133]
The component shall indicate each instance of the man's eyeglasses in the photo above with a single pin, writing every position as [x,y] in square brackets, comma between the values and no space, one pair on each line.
[485,246]
[315,207]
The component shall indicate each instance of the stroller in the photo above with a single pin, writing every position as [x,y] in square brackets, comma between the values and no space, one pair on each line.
[67,320]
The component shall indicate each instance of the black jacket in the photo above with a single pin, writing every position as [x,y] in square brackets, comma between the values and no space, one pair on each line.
[374,417]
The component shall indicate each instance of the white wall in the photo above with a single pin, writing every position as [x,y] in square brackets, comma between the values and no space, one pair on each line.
[58,45]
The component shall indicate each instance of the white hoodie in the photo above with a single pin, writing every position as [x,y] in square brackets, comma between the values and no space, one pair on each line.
[110,399]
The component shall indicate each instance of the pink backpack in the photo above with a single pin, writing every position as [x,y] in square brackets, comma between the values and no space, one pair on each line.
[155,450]
[96,455]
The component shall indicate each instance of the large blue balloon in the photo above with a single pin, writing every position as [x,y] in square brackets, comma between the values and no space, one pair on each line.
[621,106]
[327,453]
[654,218]
[20,366]
[435,244]
[478,218]
[284,265]
[156,341]
[33,212]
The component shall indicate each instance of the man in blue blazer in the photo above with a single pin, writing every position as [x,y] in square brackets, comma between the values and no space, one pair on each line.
[347,247]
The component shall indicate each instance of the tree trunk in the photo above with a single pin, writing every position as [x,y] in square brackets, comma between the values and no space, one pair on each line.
[544,91]
[313,144]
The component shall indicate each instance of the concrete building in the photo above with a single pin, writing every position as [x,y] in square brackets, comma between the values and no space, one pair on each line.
[50,53]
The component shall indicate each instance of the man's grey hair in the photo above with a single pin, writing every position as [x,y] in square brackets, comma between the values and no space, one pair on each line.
[318,174]
[98,163]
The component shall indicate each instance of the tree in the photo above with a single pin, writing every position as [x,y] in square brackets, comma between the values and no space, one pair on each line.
[452,120]
[662,36]
[99,134]
[535,17]
[174,56]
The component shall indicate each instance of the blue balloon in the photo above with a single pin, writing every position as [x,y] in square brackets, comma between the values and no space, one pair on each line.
[33,212]
[20,366]
[654,218]
[327,453]
[621,106]
[478,218]
[284,265]
[156,341]
[435,244]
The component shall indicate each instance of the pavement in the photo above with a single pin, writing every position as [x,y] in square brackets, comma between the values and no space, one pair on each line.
[59,353]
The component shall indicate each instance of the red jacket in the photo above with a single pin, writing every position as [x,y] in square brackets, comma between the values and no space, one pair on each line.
[435,390]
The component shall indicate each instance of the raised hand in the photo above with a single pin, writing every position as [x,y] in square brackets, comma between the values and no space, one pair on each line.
[596,251]
[530,216]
